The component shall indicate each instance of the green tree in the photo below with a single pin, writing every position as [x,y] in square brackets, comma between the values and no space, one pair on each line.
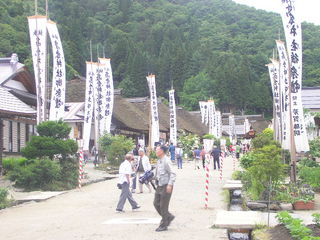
[115,147]
[51,142]
[267,166]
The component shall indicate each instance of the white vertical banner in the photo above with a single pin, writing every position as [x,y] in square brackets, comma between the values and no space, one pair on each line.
[246,126]
[293,32]
[273,74]
[38,41]
[231,127]
[108,94]
[206,113]
[275,83]
[59,74]
[89,103]
[218,124]
[98,102]
[211,116]
[173,118]
[202,110]
[284,94]
[155,134]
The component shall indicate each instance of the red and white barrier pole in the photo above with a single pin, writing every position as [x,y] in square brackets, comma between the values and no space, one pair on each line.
[80,167]
[221,167]
[206,199]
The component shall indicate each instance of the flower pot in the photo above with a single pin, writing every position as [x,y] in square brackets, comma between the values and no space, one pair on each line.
[301,205]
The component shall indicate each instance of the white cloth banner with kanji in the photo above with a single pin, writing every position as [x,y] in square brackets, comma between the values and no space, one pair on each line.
[107,94]
[58,91]
[38,40]
[284,95]
[155,134]
[293,32]
[89,103]
[173,118]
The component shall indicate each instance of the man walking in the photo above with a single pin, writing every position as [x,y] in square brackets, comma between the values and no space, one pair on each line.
[125,172]
[179,154]
[165,178]
[216,152]
[143,166]
[172,151]
[196,156]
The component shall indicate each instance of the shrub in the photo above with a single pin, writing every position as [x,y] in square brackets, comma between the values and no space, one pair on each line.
[310,175]
[115,147]
[306,162]
[263,139]
[51,141]
[293,192]
[54,129]
[267,165]
[40,174]
[189,142]
[208,136]
[247,160]
[3,198]
[69,173]
[315,147]
[297,230]
[316,219]
[10,163]
[236,175]
[42,146]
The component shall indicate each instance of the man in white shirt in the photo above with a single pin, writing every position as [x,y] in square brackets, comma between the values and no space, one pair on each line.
[143,166]
[125,171]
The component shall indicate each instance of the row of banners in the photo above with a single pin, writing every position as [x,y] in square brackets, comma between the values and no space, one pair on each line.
[211,117]
[286,82]
[99,99]
[155,133]
[99,81]
[38,28]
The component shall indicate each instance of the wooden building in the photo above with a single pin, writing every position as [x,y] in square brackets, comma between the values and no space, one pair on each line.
[17,106]
[130,115]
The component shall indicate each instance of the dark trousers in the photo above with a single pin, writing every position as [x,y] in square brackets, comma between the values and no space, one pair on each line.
[216,161]
[134,183]
[161,204]
[126,194]
[179,160]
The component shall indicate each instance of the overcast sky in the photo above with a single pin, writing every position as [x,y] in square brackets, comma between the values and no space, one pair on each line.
[308,10]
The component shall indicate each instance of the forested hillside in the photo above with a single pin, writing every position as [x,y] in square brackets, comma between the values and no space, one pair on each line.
[205,48]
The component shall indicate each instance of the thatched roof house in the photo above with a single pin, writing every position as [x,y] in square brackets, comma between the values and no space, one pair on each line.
[131,115]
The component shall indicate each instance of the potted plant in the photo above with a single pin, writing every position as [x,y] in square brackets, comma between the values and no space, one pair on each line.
[304,203]
[303,197]
[300,196]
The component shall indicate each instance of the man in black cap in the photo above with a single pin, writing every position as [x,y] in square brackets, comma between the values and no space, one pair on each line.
[165,178]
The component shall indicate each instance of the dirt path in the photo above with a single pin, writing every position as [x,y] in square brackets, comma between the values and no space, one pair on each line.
[82,214]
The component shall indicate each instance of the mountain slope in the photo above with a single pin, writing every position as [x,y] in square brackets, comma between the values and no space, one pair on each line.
[204,48]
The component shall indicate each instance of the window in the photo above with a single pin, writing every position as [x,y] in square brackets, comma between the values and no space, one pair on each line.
[27,132]
[18,137]
[10,136]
